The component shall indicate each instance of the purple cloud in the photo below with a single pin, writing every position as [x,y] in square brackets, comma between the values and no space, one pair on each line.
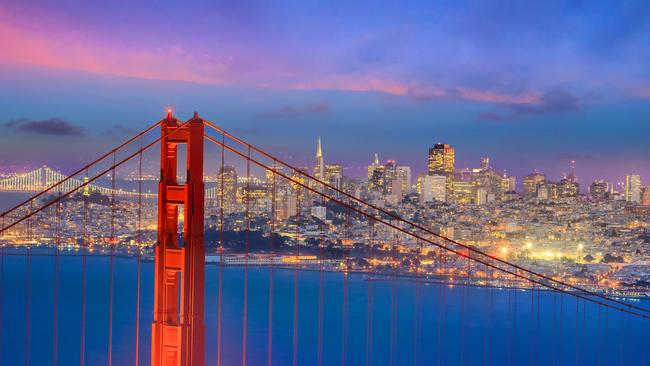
[51,126]
[296,112]
[119,129]
[489,116]
[552,101]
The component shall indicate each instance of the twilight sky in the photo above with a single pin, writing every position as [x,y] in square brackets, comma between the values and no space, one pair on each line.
[531,84]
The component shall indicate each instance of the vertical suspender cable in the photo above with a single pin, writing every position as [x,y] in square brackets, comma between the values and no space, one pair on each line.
[606,335]
[576,334]
[294,357]
[321,290]
[220,294]
[111,268]
[344,348]
[57,265]
[532,312]
[2,260]
[555,347]
[269,355]
[393,303]
[561,328]
[418,300]
[28,300]
[247,223]
[28,289]
[138,259]
[84,244]
[369,315]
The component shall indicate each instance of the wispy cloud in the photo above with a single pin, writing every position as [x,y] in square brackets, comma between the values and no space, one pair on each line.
[489,116]
[556,100]
[119,129]
[641,92]
[353,83]
[52,126]
[482,95]
[290,112]
[553,101]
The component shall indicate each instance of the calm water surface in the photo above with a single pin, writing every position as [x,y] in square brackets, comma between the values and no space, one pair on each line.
[432,324]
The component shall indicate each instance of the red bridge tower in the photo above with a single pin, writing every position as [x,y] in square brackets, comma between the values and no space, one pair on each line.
[178,330]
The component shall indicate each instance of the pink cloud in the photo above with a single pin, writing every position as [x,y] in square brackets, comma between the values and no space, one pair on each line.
[355,84]
[499,98]
[428,92]
[641,92]
[74,50]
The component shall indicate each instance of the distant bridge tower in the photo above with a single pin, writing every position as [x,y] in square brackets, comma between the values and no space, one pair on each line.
[178,330]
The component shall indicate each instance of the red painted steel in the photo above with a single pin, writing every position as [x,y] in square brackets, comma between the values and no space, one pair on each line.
[178,329]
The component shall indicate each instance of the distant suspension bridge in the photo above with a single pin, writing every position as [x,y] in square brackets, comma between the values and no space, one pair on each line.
[45,177]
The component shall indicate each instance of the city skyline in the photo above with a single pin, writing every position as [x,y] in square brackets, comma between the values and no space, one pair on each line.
[360,172]
[438,165]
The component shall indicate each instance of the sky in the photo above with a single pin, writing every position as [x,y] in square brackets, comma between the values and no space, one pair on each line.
[530,84]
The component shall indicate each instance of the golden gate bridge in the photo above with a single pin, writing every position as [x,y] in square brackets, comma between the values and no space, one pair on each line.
[178,330]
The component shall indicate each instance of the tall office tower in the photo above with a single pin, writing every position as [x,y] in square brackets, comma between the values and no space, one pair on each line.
[485,163]
[633,188]
[531,181]
[546,190]
[227,180]
[481,196]
[508,184]
[419,183]
[270,176]
[291,206]
[572,176]
[568,188]
[378,180]
[645,196]
[301,194]
[598,190]
[376,175]
[462,192]
[319,165]
[390,170]
[251,190]
[354,187]
[441,160]
[512,183]
[433,187]
[403,177]
[373,166]
[333,175]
